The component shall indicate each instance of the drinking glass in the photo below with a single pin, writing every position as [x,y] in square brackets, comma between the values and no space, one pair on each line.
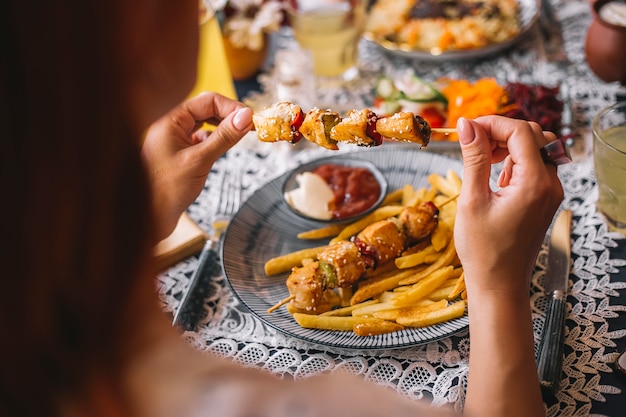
[609,157]
[330,30]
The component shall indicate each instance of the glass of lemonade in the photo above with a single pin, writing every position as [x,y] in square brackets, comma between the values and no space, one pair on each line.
[330,30]
[609,157]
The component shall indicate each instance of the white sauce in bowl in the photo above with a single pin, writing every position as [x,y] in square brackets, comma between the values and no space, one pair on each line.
[313,196]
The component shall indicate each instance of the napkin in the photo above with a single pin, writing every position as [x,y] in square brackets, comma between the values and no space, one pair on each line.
[186,240]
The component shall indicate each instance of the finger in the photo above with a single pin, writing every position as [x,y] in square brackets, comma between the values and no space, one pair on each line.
[228,133]
[517,136]
[208,107]
[200,135]
[507,172]
[477,151]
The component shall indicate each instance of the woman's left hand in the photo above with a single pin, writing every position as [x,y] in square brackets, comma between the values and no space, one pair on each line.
[178,154]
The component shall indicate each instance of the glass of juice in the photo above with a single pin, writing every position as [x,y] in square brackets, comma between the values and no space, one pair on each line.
[331,31]
[609,157]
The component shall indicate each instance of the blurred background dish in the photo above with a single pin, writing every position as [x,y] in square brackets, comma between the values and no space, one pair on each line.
[527,15]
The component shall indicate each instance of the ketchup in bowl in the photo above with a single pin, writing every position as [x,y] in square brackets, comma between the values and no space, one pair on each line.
[357,188]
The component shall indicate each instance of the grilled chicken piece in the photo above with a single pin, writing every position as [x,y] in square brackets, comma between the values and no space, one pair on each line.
[385,238]
[317,125]
[404,127]
[280,122]
[358,127]
[419,222]
[346,261]
[306,284]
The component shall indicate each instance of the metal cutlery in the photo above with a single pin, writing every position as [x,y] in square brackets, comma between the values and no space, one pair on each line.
[190,311]
[550,353]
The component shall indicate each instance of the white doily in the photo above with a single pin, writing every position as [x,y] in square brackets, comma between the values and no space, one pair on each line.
[437,372]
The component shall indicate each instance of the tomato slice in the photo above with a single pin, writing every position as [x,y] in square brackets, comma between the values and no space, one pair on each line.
[434,117]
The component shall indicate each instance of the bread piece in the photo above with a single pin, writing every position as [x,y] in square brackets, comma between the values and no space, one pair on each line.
[317,125]
[358,127]
[279,122]
[404,127]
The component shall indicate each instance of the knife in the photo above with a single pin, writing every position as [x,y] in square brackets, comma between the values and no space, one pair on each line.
[550,353]
[189,312]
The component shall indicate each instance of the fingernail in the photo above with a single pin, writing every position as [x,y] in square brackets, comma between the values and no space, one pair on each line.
[465,130]
[241,120]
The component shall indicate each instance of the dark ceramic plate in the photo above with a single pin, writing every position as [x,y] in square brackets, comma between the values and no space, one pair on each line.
[265,227]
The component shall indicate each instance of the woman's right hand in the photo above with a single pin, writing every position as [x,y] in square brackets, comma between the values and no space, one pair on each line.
[498,233]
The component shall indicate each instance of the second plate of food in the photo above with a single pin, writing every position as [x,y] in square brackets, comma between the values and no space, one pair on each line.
[450,30]
[265,227]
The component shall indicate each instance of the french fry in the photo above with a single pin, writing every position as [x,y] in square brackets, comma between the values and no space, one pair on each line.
[458,288]
[373,308]
[339,323]
[441,236]
[372,328]
[408,193]
[371,288]
[392,198]
[347,311]
[441,293]
[453,311]
[454,180]
[416,247]
[410,312]
[380,213]
[424,287]
[322,232]
[442,185]
[284,263]
[387,296]
[446,258]
[419,307]
[417,258]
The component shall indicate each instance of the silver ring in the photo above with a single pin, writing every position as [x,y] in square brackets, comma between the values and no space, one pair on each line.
[556,152]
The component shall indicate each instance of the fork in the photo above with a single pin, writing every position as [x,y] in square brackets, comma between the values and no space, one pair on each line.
[190,311]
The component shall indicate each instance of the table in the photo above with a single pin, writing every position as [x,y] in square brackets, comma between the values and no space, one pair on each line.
[437,371]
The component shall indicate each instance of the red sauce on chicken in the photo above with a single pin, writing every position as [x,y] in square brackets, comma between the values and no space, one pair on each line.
[355,188]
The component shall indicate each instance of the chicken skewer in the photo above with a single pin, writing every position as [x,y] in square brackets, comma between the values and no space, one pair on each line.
[286,121]
[343,263]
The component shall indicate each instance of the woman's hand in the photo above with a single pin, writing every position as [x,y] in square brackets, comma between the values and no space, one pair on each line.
[497,236]
[179,155]
[498,233]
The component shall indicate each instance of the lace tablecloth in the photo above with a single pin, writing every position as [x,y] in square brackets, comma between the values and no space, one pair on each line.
[437,371]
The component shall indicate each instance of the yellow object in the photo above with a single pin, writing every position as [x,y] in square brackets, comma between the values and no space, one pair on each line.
[213,70]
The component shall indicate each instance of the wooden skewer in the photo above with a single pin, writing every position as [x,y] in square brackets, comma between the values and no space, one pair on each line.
[454,197]
[280,304]
[444,130]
